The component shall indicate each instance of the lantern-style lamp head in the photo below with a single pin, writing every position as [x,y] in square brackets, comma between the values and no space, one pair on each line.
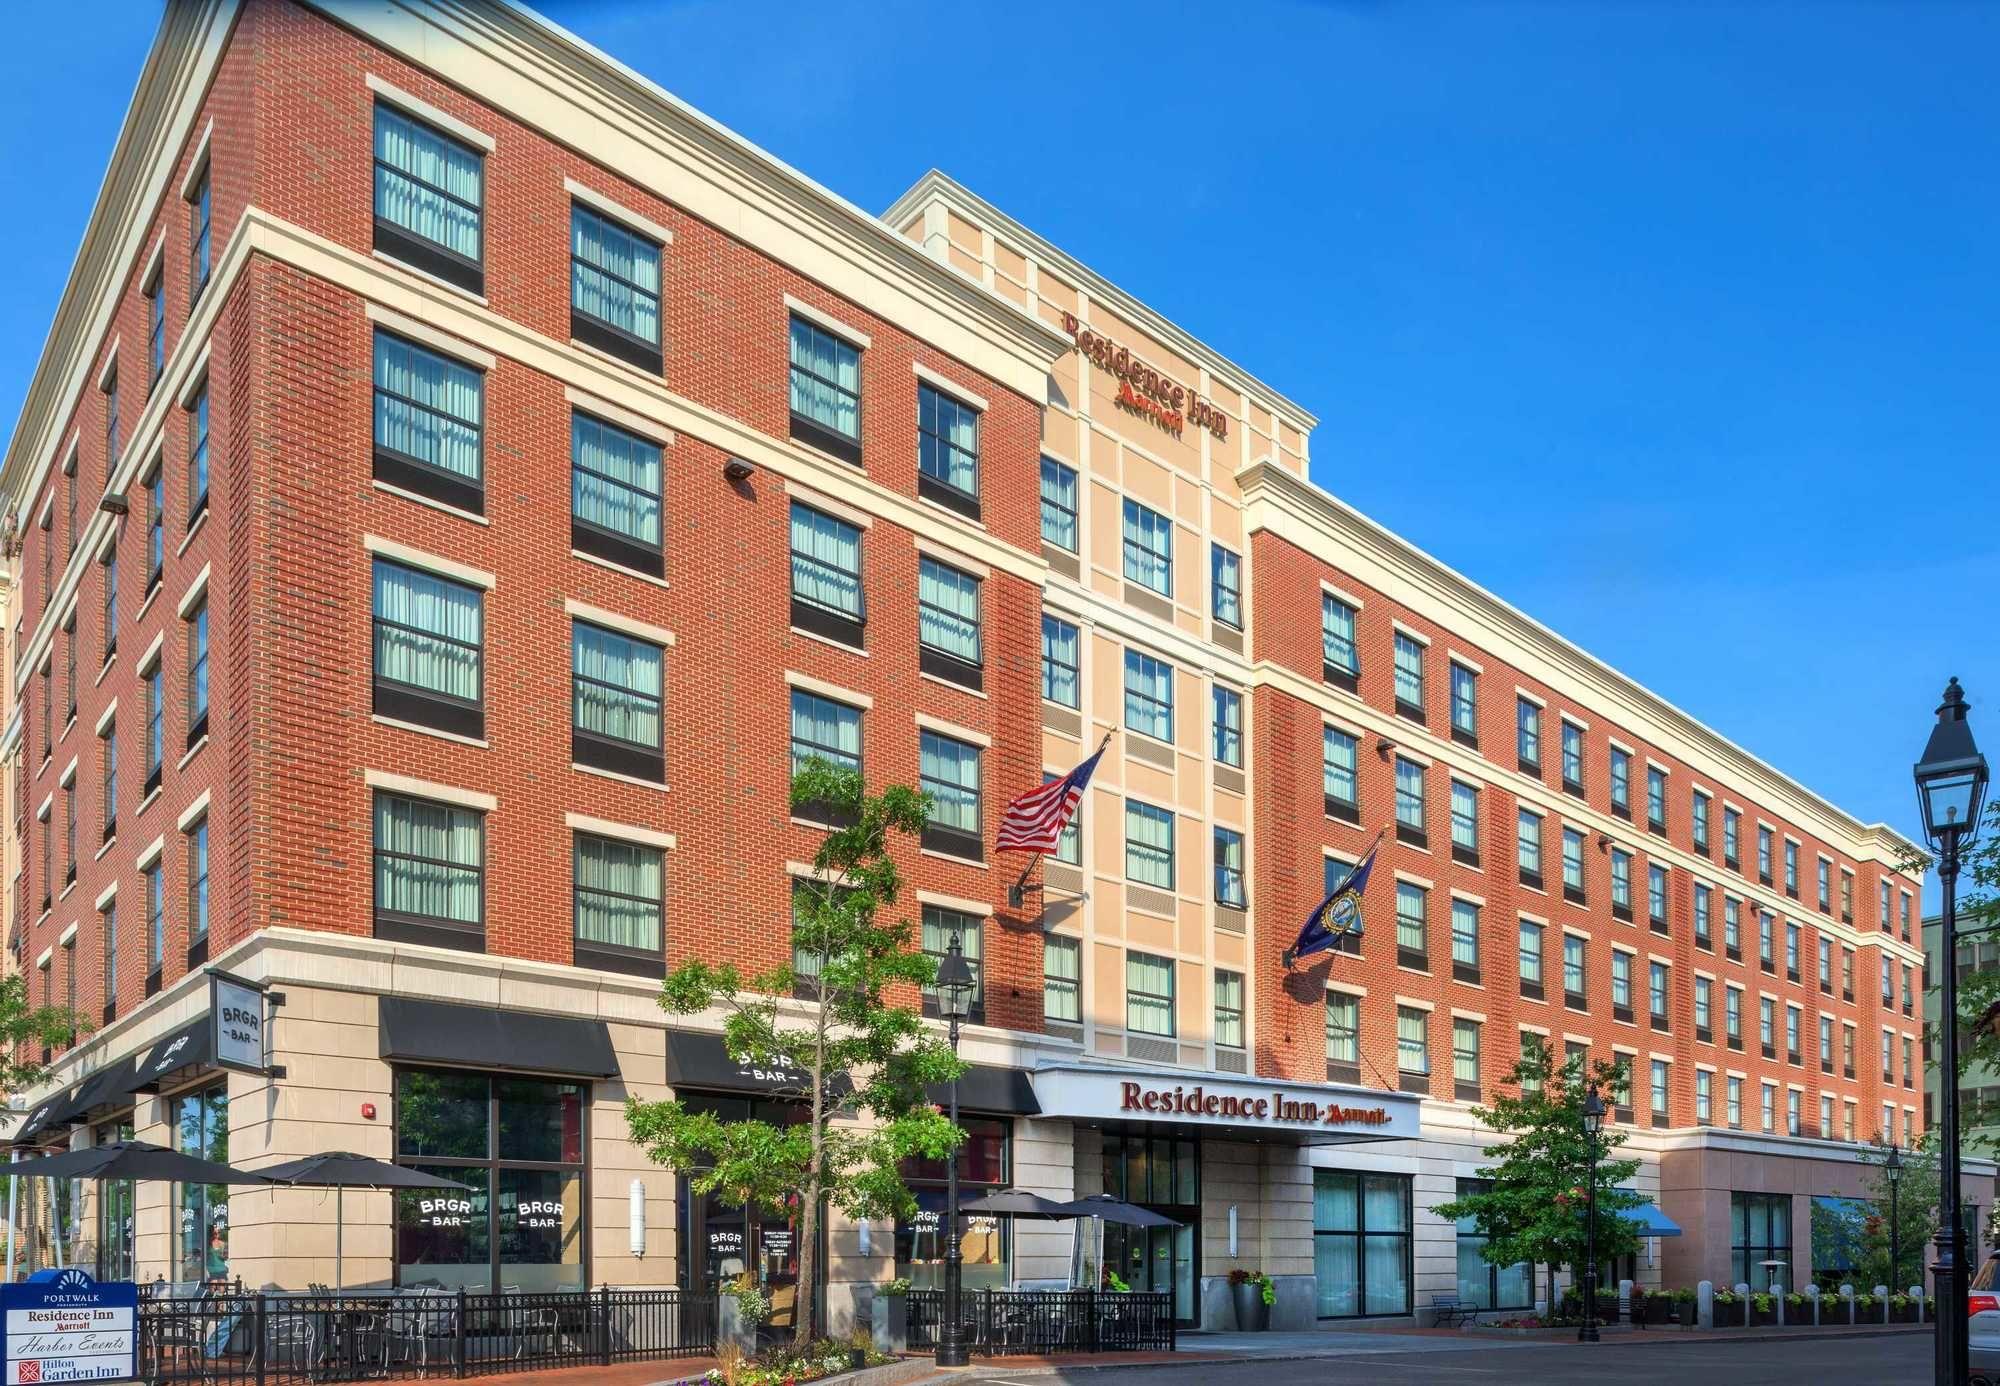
[1593,1112]
[1951,777]
[954,983]
[1893,1166]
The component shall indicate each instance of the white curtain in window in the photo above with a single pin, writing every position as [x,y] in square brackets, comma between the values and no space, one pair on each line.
[1059,662]
[433,641]
[1153,1012]
[1149,695]
[1147,548]
[427,859]
[618,894]
[1149,846]
[938,927]
[950,775]
[1409,793]
[414,168]
[617,685]
[826,561]
[427,406]
[824,728]
[948,437]
[615,479]
[614,275]
[826,379]
[948,610]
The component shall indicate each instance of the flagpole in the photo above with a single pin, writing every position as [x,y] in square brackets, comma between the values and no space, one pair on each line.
[1288,957]
[1017,892]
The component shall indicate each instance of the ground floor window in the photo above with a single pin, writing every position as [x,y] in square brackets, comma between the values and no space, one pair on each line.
[201,1211]
[517,1145]
[984,1241]
[1760,1230]
[1361,1243]
[1165,1176]
[721,1240]
[1484,1286]
[114,1212]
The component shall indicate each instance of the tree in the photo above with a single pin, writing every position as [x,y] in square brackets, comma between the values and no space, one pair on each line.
[1535,1209]
[1858,1230]
[1978,990]
[25,1029]
[859,1064]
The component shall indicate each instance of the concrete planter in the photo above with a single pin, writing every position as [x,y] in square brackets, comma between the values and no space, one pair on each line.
[1252,1314]
[891,1323]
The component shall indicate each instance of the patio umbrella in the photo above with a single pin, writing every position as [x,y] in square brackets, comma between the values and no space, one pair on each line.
[135,1160]
[341,1170]
[1110,1209]
[1018,1202]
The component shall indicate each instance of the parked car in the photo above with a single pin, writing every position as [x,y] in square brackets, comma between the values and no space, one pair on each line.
[1982,1295]
[1983,1345]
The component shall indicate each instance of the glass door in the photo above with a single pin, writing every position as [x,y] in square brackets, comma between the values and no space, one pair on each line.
[1164,1176]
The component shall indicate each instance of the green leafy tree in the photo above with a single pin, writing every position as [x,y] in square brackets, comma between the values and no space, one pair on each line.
[857,1064]
[1535,1209]
[1864,1227]
[1978,991]
[26,1029]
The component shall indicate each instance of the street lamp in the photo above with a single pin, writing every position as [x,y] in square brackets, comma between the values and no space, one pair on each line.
[1951,791]
[1593,1126]
[954,993]
[1893,1169]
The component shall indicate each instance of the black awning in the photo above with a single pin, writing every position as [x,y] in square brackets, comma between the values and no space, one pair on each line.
[103,1086]
[193,1043]
[436,1032]
[985,1088]
[43,1115]
[702,1061]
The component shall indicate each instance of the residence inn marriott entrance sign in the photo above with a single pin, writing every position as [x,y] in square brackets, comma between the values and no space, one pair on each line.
[1250,1109]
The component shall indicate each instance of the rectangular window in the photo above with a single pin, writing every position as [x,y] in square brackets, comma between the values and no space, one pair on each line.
[1149,548]
[948,624]
[1229,869]
[940,927]
[1339,657]
[614,292]
[1226,585]
[156,703]
[1228,1009]
[1698,818]
[1464,704]
[1409,677]
[111,448]
[1059,504]
[823,729]
[197,674]
[1826,1043]
[1703,912]
[1765,931]
[1621,984]
[1062,979]
[1465,1059]
[826,391]
[1825,1116]
[1764,855]
[1361,1244]
[1884,912]
[1656,799]
[1528,736]
[1792,951]
[1906,916]
[1732,926]
[156,917]
[1792,1034]
[1769,1109]
[1410,825]
[1226,725]
[1846,896]
[1733,1110]
[156,524]
[107,935]
[1464,823]
[1574,992]
[430,870]
[1792,869]
[1465,940]
[429,661]
[199,222]
[1149,995]
[1149,695]
[430,413]
[620,905]
[1621,782]
[1339,764]
[1149,845]
[197,460]
[1060,662]
[156,326]
[429,199]
[110,782]
[1704,1009]
[948,771]
[110,566]
[1621,883]
[1572,753]
[1343,1031]
[826,576]
[1531,959]
[1573,888]
[1528,848]
[1792,1096]
[1413,1044]
[1412,926]
[947,451]
[1660,1089]
[1656,895]
[1760,1232]
[1825,885]
[1656,994]
[617,696]
[1704,1100]
[1732,831]
[1484,1286]
[615,495]
[197,858]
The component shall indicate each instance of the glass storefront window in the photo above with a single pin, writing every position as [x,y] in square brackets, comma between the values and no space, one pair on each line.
[441,1234]
[201,1233]
[1481,1285]
[1164,1175]
[720,1240]
[114,1213]
[441,1115]
[984,1242]
[1361,1243]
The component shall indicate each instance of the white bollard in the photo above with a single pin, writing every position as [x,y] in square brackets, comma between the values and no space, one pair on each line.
[1743,1301]
[1812,1298]
[1917,1297]
[1778,1300]
[1882,1298]
[1704,1304]
[1625,1300]
[1847,1293]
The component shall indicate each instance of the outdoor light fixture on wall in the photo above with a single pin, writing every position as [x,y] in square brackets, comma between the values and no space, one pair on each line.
[638,1196]
[736,469]
[1232,1231]
[867,1238]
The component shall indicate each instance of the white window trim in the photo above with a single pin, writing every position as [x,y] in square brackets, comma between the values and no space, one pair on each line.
[1525,696]
[430,562]
[617,211]
[67,779]
[820,500]
[1618,745]
[106,896]
[1652,764]
[954,731]
[651,430]
[1476,1017]
[624,832]
[152,270]
[1468,897]
[107,717]
[194,812]
[424,111]
[150,659]
[854,337]
[1574,721]
[109,369]
[196,591]
[1340,595]
[151,853]
[625,625]
[430,789]
[1534,919]
[44,958]
[1427,1007]
[951,558]
[1412,633]
[805,682]
[197,379]
[1463,661]
[946,385]
[425,335]
[956,902]
[1408,878]
[197,165]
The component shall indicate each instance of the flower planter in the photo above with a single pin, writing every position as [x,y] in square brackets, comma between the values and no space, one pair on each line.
[1761,1318]
[1686,1313]
[1728,1315]
[892,1324]
[1252,1314]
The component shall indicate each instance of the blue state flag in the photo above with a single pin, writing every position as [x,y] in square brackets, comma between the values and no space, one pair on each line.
[1339,913]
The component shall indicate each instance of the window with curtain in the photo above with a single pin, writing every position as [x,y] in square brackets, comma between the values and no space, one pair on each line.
[1226,585]
[156,326]
[429,422]
[616,696]
[1336,637]
[430,864]
[1656,798]
[824,729]
[1228,1009]
[197,859]
[110,566]
[1484,1286]
[947,614]
[1704,1096]
[1572,753]
[200,259]
[948,771]
[1062,979]
[1621,983]
[939,926]
[1732,829]
[826,574]
[1528,846]
[1465,937]
[1531,954]
[1732,1015]
[1149,548]
[1412,926]
[1464,704]
[1573,971]
[1343,1028]
[1339,756]
[1464,822]
[1060,662]
[948,449]
[156,916]
[110,752]
[1149,845]
[1656,993]
[429,198]
[1656,893]
[1704,1008]
[826,389]
[1409,674]
[429,633]
[1069,842]
[1410,801]
[1573,864]
[1760,1229]
[1149,695]
[620,898]
[1059,504]
[1149,994]
[197,674]
[1227,724]
[107,926]
[197,458]
[1660,1090]
[1704,909]
[1698,820]
[1621,883]
[614,288]
[1733,1101]
[1465,1059]
[156,524]
[1229,869]
[1361,1244]
[615,494]
[1621,782]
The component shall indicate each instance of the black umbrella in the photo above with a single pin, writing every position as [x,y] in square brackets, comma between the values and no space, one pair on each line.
[1115,1210]
[1020,1203]
[341,1170]
[135,1160]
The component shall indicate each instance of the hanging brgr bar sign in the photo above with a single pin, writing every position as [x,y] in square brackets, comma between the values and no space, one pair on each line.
[236,1011]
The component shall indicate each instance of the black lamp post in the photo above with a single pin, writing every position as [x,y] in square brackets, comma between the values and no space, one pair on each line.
[1593,1125]
[954,1002]
[1892,1168]
[1951,791]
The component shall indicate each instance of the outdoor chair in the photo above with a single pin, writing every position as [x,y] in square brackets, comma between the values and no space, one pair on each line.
[1447,1310]
[413,1329]
[292,1342]
[538,1333]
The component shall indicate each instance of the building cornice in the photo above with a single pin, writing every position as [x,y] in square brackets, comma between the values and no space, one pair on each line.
[1283,504]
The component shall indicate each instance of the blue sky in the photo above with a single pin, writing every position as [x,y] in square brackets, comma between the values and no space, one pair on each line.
[1673,325]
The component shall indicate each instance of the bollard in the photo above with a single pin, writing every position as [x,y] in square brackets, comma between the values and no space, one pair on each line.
[1812,1296]
[1917,1297]
[1882,1298]
[1704,1304]
[1743,1299]
[1847,1293]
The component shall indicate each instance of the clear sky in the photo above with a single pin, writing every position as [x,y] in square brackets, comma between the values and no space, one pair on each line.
[1673,325]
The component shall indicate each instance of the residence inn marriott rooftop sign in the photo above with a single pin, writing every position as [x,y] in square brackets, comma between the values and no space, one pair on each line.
[1143,390]
[1269,1109]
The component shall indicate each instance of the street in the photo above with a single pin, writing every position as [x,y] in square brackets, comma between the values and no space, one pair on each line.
[1825,1362]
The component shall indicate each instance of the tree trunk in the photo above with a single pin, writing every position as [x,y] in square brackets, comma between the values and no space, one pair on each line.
[805,1302]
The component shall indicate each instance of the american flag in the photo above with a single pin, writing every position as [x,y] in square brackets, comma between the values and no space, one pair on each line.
[1033,822]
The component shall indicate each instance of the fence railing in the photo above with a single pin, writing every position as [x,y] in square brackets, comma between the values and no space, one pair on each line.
[282,1339]
[1044,1323]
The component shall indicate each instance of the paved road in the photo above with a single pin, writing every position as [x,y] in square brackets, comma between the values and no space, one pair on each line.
[1886,1361]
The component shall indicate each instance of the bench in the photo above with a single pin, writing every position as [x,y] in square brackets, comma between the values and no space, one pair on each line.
[1447,1310]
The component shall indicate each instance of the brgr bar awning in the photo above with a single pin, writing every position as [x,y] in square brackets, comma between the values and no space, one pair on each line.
[437,1032]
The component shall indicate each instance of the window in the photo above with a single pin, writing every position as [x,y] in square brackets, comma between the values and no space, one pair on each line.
[110,566]
[1826,1043]
[1846,896]
[197,857]
[1412,926]
[197,460]
[156,326]
[1769,1109]
[616,687]
[1228,1009]
[1621,782]
[1531,958]
[1906,916]
[940,927]
[1465,1059]
[1465,940]
[1703,913]
[69,833]
[1698,818]
[429,193]
[614,292]
[1229,869]
[1409,677]
[430,870]
[1621,984]
[1704,1009]
[1410,802]
[1069,842]
[1656,799]
[1464,823]
[1226,727]
[1760,1230]
[1062,979]
[198,238]
[1340,662]
[1656,994]
[107,935]
[1226,585]
[1792,1034]
[1764,931]
[948,627]
[1767,1026]
[1413,1045]
[947,451]
[197,674]
[1483,1286]
[1343,794]
[1792,869]
[1847,1050]
[1733,1100]
[1656,895]
[110,782]
[948,771]
[156,917]
[1149,845]
[826,392]
[156,524]
[428,649]
[110,436]
[1528,736]
[1573,865]
[1361,1244]
[1464,704]
[1528,848]
[1826,1116]
[1764,855]
[615,495]
[1732,926]
[430,430]
[1060,662]
[1059,504]
[1792,950]
[1573,973]
[620,906]
[1149,548]
[156,702]
[1888,981]
[1660,1089]
[1149,995]
[201,1211]
[1888,1056]
[1572,753]
[1621,883]
[826,576]
[1825,886]
[1343,1034]
[1149,695]
[1704,1104]
[1884,912]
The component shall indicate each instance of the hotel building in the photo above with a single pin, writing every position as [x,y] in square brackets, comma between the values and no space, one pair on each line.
[461,479]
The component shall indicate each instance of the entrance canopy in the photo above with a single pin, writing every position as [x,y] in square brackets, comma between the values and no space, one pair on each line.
[1253,1109]
[437,1032]
[1652,1222]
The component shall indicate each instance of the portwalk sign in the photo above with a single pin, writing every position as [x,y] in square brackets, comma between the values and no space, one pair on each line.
[61,1325]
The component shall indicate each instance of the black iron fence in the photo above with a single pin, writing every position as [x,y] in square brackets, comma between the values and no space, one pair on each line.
[1044,1323]
[285,1339]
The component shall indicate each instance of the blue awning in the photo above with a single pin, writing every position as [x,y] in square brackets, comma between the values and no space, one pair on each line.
[1652,1222]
